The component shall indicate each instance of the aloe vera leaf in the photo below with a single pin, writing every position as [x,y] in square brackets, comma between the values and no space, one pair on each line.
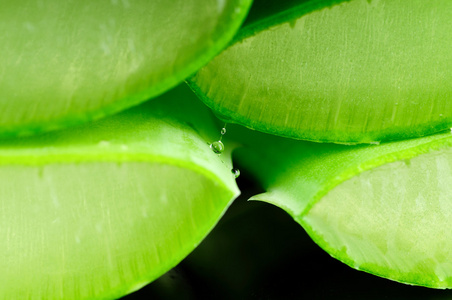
[384,209]
[98,211]
[63,63]
[357,72]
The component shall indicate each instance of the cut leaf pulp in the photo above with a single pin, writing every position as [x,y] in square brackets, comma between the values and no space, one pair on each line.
[99,211]
[357,72]
[381,209]
[63,63]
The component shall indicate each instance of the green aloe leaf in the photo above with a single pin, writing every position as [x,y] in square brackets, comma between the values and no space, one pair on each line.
[99,211]
[357,72]
[384,209]
[68,62]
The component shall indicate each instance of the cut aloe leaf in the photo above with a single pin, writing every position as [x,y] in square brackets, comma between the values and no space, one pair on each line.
[64,62]
[99,211]
[357,72]
[384,209]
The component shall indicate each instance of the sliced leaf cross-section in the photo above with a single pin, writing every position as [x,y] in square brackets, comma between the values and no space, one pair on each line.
[99,211]
[384,209]
[64,62]
[356,72]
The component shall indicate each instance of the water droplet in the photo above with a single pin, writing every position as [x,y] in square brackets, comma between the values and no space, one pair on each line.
[217,147]
[235,172]
[223,131]
[375,143]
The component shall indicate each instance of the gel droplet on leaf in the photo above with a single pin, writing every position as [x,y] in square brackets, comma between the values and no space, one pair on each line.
[235,172]
[217,147]
[223,131]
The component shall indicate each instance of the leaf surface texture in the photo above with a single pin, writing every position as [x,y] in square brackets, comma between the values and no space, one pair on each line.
[63,63]
[356,72]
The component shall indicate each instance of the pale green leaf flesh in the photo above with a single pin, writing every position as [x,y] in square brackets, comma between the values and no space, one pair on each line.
[68,62]
[384,209]
[357,72]
[99,211]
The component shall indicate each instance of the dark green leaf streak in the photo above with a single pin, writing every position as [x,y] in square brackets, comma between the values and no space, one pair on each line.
[267,13]
[64,62]
[355,72]
[382,209]
[99,211]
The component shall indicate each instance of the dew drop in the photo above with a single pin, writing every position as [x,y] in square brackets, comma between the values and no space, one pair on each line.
[223,131]
[217,147]
[235,172]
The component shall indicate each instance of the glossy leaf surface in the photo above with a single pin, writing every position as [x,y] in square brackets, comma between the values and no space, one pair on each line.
[99,211]
[357,72]
[384,209]
[67,62]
